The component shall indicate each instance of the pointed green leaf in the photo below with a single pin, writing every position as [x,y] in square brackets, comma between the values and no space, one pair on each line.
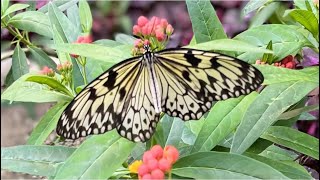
[266,108]
[46,125]
[24,91]
[222,165]
[32,21]
[222,119]
[96,158]
[35,160]
[85,16]
[294,139]
[14,8]
[42,58]
[19,63]
[205,22]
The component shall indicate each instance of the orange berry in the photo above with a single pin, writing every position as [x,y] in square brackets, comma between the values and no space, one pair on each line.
[171,154]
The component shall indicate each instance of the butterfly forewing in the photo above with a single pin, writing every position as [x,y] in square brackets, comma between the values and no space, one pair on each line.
[123,97]
[192,79]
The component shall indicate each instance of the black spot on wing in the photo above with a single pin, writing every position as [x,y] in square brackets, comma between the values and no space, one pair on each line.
[214,62]
[185,75]
[122,93]
[111,79]
[192,59]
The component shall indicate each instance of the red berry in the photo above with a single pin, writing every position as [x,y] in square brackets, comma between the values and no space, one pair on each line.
[157,151]
[157,174]
[143,169]
[164,165]
[290,65]
[171,154]
[147,156]
[152,164]
[147,176]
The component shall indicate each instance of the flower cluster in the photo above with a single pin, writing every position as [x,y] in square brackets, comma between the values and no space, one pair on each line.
[47,71]
[287,62]
[66,72]
[155,163]
[156,31]
[82,39]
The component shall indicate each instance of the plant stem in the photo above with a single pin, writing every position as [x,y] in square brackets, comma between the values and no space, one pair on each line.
[84,74]
[16,33]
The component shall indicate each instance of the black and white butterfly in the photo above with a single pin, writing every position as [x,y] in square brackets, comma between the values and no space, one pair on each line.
[130,95]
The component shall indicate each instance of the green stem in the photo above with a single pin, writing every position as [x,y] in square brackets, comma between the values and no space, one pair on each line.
[16,33]
[84,74]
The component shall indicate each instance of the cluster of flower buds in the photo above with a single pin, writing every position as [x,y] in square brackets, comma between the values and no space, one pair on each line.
[65,70]
[156,162]
[47,71]
[80,40]
[287,62]
[157,31]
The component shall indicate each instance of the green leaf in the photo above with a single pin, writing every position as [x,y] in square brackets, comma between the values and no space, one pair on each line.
[24,91]
[19,63]
[32,21]
[46,125]
[35,160]
[306,19]
[4,6]
[175,132]
[14,8]
[228,45]
[9,78]
[222,165]
[41,57]
[264,14]
[51,82]
[293,139]
[63,57]
[205,22]
[85,16]
[98,52]
[274,75]
[285,40]
[74,16]
[61,4]
[253,5]
[263,112]
[65,28]
[96,158]
[267,57]
[290,171]
[296,112]
[304,5]
[108,43]
[277,153]
[222,119]
[125,39]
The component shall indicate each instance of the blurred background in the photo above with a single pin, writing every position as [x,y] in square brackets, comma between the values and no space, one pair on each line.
[109,18]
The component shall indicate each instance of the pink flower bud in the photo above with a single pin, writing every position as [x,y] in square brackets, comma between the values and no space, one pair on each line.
[164,23]
[142,21]
[157,174]
[169,29]
[136,30]
[160,35]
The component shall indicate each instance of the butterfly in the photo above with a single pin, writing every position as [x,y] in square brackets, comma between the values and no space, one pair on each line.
[130,96]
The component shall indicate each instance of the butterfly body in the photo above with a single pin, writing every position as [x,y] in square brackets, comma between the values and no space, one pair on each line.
[130,95]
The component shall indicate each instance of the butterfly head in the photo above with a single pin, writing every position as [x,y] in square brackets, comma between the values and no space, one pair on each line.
[147,48]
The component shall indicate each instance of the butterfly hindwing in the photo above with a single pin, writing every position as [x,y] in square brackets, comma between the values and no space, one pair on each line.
[192,79]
